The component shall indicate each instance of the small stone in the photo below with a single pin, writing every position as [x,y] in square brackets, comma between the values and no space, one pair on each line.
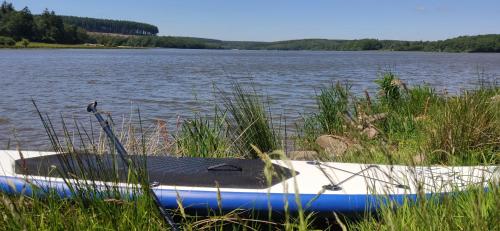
[371,132]
[303,155]
[333,145]
[4,120]
[421,118]
[376,117]
[495,99]
[396,82]
[419,159]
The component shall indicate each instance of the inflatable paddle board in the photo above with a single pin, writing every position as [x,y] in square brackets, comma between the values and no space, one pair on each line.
[204,183]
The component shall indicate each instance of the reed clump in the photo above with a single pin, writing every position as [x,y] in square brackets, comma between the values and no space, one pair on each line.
[466,128]
[250,121]
[205,137]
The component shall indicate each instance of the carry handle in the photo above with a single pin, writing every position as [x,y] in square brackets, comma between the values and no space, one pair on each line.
[225,167]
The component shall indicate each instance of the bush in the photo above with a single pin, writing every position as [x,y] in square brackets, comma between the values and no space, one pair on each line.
[25,42]
[390,91]
[6,41]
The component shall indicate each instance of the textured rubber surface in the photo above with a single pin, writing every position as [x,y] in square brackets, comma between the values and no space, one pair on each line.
[164,170]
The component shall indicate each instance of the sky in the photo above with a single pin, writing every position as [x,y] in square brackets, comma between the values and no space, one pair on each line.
[273,20]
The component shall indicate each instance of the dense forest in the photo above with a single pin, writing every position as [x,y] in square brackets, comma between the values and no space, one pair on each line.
[16,25]
[51,28]
[47,27]
[478,43]
[111,26]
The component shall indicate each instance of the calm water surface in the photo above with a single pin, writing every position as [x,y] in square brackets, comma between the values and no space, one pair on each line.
[166,83]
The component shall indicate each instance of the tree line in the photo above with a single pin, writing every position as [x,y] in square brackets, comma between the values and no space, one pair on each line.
[478,43]
[154,41]
[111,26]
[46,27]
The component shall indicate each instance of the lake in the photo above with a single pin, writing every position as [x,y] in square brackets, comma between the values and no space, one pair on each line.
[167,83]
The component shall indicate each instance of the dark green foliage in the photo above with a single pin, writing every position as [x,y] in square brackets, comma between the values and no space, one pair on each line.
[74,34]
[25,42]
[479,43]
[50,27]
[111,26]
[16,24]
[389,89]
[153,41]
[47,27]
[6,41]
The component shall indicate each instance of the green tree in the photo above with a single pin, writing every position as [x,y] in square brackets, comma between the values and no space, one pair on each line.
[18,24]
[50,27]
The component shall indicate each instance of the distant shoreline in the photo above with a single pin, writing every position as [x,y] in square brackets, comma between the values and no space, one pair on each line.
[112,41]
[37,45]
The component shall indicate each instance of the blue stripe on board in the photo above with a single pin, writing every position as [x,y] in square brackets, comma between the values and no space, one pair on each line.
[203,200]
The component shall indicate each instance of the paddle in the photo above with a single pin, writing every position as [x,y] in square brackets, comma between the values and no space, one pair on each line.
[125,158]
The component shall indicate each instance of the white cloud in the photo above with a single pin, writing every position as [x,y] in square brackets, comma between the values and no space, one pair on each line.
[420,8]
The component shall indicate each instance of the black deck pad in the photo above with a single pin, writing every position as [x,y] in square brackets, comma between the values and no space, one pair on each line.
[165,170]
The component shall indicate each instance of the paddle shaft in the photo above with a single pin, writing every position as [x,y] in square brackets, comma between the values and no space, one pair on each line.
[107,129]
[125,158]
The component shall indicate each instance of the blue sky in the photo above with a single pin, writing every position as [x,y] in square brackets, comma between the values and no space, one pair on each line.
[272,20]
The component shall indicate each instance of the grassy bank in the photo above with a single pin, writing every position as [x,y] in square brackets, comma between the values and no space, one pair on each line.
[20,45]
[413,124]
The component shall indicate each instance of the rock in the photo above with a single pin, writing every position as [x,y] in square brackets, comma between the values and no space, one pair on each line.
[334,145]
[376,117]
[396,82]
[371,132]
[495,99]
[419,159]
[393,147]
[399,83]
[303,155]
[421,118]
[4,120]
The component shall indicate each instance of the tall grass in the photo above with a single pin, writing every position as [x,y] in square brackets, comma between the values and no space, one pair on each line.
[250,121]
[332,109]
[475,209]
[404,106]
[466,128]
[334,112]
[205,137]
